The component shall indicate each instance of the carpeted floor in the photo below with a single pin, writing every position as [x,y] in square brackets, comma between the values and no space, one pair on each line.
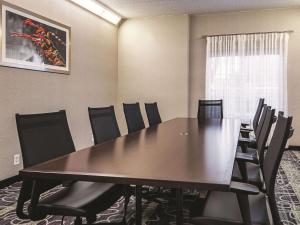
[288,188]
[287,194]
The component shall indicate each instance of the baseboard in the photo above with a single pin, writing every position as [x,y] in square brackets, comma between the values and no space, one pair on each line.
[9,181]
[294,147]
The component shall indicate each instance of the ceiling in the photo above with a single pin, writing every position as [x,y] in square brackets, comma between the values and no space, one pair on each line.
[142,8]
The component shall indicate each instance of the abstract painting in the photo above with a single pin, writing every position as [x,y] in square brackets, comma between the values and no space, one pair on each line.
[31,41]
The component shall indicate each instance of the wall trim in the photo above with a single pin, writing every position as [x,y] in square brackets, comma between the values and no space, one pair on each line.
[6,182]
[294,147]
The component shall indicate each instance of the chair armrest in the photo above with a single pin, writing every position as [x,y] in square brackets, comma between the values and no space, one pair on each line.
[244,125]
[244,129]
[243,188]
[245,157]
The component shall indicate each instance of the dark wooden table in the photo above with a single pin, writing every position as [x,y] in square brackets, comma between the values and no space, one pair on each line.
[177,153]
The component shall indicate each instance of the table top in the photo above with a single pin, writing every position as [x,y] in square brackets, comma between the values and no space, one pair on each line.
[178,153]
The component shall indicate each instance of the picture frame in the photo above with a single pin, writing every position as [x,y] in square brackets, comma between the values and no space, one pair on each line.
[34,42]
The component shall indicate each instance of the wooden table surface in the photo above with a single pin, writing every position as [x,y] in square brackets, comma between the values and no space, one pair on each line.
[177,153]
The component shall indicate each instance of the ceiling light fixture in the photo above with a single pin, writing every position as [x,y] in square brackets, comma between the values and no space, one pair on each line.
[98,9]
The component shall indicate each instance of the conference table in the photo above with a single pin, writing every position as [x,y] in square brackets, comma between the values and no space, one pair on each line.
[179,153]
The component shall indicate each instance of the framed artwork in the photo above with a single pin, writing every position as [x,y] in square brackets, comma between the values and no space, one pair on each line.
[31,41]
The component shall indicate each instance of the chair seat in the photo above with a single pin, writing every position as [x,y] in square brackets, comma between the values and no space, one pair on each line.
[236,174]
[250,138]
[81,199]
[223,208]
[252,151]
[253,174]
[251,142]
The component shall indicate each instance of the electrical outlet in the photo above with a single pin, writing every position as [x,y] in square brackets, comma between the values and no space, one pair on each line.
[16,159]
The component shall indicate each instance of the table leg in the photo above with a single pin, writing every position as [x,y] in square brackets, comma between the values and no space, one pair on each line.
[179,216]
[138,205]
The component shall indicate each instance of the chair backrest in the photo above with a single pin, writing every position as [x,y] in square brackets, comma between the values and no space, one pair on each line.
[258,113]
[210,109]
[264,134]
[272,161]
[43,137]
[261,121]
[133,117]
[104,124]
[152,113]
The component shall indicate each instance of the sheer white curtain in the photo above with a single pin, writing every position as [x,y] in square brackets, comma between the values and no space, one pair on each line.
[240,69]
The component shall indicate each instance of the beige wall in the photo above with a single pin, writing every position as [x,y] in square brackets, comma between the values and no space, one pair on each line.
[153,64]
[92,81]
[255,21]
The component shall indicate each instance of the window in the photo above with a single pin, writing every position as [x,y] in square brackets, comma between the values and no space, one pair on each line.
[240,69]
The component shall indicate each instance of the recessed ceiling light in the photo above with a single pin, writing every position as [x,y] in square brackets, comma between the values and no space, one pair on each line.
[98,9]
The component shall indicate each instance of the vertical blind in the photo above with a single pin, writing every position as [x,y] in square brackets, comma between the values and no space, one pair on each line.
[240,69]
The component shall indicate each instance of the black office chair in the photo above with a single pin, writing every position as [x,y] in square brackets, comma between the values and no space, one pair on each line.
[104,124]
[250,164]
[135,123]
[44,137]
[251,134]
[257,114]
[152,113]
[133,117]
[210,109]
[244,143]
[244,203]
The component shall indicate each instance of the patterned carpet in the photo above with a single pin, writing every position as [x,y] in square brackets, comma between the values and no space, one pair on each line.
[287,194]
[288,188]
